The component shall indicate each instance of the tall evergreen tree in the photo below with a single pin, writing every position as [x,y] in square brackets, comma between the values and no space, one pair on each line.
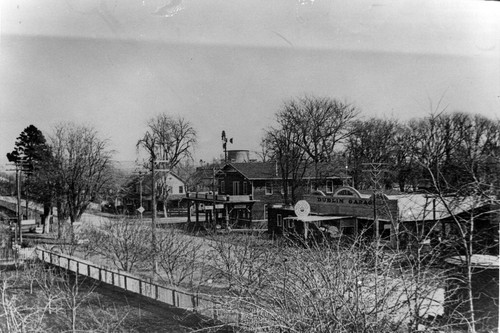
[30,149]
[30,153]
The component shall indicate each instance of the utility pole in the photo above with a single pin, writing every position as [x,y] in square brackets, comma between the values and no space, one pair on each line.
[153,207]
[214,212]
[376,171]
[141,208]
[19,213]
[140,196]
[17,229]
[153,215]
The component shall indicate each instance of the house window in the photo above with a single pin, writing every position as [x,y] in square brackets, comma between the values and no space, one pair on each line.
[222,187]
[265,212]
[279,220]
[181,189]
[245,188]
[269,188]
[329,186]
[289,190]
[291,224]
[236,188]
[345,192]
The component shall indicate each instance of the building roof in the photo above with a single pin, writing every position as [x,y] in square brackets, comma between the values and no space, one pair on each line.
[422,207]
[258,170]
[205,173]
[271,171]
[314,218]
[146,178]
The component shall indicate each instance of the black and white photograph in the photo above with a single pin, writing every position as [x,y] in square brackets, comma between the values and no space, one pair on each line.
[284,166]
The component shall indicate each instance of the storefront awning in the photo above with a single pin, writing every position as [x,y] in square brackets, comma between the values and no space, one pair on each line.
[313,218]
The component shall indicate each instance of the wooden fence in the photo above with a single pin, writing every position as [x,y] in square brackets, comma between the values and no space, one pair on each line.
[9,255]
[203,304]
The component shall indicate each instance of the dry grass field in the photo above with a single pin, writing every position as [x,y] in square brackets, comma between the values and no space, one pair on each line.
[34,302]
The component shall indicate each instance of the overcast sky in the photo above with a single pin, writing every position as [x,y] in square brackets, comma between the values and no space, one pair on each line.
[230,64]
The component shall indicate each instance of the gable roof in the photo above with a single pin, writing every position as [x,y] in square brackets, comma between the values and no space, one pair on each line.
[255,170]
[271,171]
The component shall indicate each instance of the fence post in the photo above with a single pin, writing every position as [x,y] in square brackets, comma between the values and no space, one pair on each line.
[215,314]
[173,297]
[125,281]
[88,270]
[193,300]
[140,286]
[156,291]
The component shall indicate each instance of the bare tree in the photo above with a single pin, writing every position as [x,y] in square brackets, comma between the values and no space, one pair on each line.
[307,132]
[291,160]
[123,242]
[180,258]
[456,149]
[458,155]
[320,123]
[167,141]
[469,207]
[371,141]
[316,288]
[56,302]
[265,153]
[82,164]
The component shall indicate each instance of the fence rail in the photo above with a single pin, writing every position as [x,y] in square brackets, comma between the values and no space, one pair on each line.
[202,304]
[12,255]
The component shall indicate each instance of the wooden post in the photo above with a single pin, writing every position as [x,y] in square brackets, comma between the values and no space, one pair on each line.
[153,216]
[19,212]
[215,315]
[197,210]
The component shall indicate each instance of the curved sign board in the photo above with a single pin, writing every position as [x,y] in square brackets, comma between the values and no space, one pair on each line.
[302,208]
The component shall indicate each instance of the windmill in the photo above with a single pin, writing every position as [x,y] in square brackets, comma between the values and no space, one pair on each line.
[224,144]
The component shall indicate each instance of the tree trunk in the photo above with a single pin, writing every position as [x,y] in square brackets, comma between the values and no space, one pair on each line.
[46,218]
[60,217]
[165,212]
[470,294]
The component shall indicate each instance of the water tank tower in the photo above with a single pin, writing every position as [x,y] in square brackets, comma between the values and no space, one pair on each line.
[238,156]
